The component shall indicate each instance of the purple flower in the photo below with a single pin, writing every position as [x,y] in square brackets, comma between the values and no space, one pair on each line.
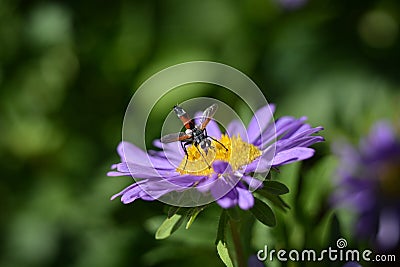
[224,176]
[370,184]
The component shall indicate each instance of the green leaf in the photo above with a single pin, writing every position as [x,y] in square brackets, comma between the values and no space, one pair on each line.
[275,199]
[169,226]
[224,254]
[275,188]
[263,213]
[223,221]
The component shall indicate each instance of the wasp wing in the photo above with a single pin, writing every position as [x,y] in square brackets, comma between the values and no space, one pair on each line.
[184,117]
[169,138]
[208,114]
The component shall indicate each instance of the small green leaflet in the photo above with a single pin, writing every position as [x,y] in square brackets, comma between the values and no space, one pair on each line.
[275,188]
[275,199]
[169,226]
[223,254]
[263,213]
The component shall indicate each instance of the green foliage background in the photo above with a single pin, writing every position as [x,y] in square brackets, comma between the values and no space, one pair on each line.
[69,68]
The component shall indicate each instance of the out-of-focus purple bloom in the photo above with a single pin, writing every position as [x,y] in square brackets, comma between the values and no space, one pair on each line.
[229,180]
[292,4]
[352,264]
[370,184]
[253,261]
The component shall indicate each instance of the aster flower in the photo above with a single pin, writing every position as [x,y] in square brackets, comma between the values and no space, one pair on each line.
[370,184]
[225,175]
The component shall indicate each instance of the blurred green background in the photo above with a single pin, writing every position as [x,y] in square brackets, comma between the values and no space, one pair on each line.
[69,68]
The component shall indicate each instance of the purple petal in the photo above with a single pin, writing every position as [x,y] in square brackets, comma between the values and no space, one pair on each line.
[131,153]
[287,126]
[259,122]
[283,127]
[236,128]
[131,193]
[140,171]
[213,129]
[253,183]
[227,202]
[206,183]
[220,166]
[263,163]
[114,174]
[127,189]
[307,132]
[185,180]
[292,155]
[285,144]
[166,159]
[224,193]
[130,196]
[173,151]
[246,199]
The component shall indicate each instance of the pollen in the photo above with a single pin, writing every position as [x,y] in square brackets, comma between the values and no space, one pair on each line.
[238,154]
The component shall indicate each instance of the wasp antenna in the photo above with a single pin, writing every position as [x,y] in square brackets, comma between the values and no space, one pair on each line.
[218,142]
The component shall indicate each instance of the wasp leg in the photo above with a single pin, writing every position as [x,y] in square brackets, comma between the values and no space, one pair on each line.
[202,156]
[183,145]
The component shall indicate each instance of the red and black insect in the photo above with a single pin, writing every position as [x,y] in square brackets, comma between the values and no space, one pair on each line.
[195,134]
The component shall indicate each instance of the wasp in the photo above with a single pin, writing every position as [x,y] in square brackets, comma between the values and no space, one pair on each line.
[194,134]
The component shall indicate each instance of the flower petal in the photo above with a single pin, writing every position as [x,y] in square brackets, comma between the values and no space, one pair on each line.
[283,126]
[224,193]
[114,173]
[259,122]
[245,199]
[253,183]
[131,153]
[236,128]
[292,155]
[213,129]
[221,167]
[285,144]
[206,183]
[263,163]
[227,202]
[131,193]
[140,171]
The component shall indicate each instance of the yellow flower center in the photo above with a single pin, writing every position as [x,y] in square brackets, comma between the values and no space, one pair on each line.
[239,154]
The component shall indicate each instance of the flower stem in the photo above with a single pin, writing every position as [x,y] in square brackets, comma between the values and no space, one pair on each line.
[237,243]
